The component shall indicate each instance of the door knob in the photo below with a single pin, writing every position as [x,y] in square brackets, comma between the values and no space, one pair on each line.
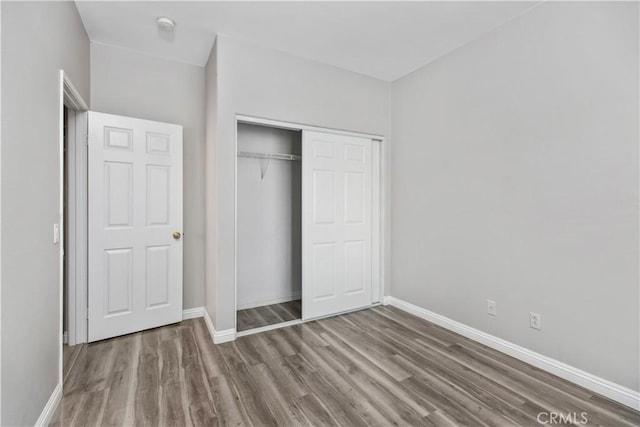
[176,235]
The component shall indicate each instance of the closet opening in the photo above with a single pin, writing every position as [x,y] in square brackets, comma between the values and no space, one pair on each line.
[269,226]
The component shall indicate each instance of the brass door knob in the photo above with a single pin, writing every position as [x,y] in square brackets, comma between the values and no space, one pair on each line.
[176,235]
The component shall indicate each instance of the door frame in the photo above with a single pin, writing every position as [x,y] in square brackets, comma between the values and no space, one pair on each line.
[379,237]
[76,265]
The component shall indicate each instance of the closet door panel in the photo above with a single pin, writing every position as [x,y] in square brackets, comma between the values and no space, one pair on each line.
[324,273]
[354,197]
[354,272]
[323,188]
[336,215]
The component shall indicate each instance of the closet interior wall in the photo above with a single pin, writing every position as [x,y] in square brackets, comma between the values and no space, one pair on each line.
[269,265]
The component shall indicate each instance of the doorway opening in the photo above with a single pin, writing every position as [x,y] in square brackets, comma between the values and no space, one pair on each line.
[269,215]
[71,228]
[69,353]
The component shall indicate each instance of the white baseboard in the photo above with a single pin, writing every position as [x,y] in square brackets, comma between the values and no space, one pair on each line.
[226,335]
[192,313]
[50,408]
[218,337]
[617,392]
[294,296]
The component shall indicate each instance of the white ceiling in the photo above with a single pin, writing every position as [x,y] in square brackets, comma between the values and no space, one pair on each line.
[386,40]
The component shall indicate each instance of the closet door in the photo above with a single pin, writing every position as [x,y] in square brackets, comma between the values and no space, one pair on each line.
[336,221]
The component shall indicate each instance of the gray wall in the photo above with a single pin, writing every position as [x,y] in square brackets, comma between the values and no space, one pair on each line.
[275,85]
[38,39]
[137,85]
[211,197]
[269,217]
[515,178]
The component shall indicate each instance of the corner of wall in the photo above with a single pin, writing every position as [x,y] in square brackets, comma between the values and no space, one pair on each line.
[211,128]
[1,5]
[386,176]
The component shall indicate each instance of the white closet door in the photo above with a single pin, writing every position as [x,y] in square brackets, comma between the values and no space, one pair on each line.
[135,207]
[336,215]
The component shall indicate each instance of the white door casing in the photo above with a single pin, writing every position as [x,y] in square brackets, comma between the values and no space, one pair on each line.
[134,207]
[337,223]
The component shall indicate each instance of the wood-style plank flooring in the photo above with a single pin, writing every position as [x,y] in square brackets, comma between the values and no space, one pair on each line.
[374,367]
[257,317]
[69,357]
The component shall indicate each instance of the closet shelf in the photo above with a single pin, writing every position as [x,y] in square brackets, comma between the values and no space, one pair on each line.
[274,156]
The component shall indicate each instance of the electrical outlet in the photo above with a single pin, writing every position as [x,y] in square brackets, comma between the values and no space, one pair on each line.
[492,307]
[535,320]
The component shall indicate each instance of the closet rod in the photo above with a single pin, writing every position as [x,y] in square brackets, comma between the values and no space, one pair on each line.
[274,156]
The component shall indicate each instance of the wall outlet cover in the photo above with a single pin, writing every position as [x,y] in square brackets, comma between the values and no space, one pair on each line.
[492,308]
[535,320]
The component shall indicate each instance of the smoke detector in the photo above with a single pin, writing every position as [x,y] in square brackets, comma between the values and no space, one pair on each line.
[165,23]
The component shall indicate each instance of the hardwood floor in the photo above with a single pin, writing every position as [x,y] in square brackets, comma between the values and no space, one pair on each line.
[374,367]
[268,315]
[69,357]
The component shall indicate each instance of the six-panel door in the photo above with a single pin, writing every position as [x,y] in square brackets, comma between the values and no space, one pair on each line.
[336,212]
[135,207]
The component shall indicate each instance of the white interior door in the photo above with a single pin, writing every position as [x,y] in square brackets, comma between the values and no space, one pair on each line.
[337,228]
[134,209]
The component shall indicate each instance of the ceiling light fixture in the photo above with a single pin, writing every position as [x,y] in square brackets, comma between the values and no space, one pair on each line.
[165,23]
